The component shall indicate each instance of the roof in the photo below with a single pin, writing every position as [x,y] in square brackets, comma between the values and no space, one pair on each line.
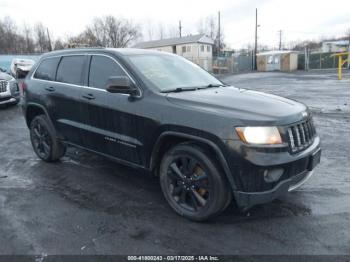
[201,38]
[277,52]
[120,51]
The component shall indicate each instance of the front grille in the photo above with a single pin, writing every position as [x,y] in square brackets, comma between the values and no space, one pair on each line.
[301,135]
[3,86]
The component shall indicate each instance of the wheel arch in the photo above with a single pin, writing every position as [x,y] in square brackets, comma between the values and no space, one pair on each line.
[33,110]
[169,139]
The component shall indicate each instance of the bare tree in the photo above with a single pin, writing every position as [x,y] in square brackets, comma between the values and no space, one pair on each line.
[161,31]
[9,36]
[41,38]
[108,31]
[209,27]
[58,45]
[29,42]
[150,30]
[172,31]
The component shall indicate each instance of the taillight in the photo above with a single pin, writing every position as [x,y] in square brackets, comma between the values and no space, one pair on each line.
[23,86]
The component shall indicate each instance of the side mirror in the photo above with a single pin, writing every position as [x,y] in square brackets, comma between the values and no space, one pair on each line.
[121,84]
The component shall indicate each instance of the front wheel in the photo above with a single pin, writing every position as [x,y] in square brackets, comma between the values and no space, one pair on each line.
[44,140]
[193,183]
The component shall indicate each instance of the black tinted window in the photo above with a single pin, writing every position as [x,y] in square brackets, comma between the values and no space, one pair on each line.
[101,69]
[70,70]
[47,69]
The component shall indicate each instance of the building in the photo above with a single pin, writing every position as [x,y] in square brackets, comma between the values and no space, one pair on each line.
[335,46]
[197,48]
[277,61]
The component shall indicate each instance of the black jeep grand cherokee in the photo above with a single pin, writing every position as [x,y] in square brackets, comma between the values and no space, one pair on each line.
[209,143]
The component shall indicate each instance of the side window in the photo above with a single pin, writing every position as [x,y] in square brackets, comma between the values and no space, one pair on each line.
[101,69]
[47,69]
[70,69]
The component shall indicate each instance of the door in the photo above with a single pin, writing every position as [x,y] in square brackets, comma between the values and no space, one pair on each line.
[109,127]
[61,79]
[69,81]
[273,63]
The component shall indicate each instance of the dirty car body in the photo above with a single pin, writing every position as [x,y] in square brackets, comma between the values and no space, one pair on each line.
[137,115]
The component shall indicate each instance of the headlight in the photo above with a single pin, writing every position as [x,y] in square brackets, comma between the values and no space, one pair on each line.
[262,135]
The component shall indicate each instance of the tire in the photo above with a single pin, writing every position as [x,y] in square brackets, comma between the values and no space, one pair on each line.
[200,191]
[44,140]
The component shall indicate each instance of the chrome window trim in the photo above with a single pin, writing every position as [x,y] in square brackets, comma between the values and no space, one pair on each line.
[87,87]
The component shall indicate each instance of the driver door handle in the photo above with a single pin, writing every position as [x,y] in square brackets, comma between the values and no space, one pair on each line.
[88,96]
[50,89]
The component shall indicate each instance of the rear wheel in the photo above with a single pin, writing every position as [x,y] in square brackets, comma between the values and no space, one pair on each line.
[44,140]
[193,183]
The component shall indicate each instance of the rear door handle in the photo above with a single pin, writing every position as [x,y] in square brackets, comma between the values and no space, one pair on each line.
[89,96]
[50,89]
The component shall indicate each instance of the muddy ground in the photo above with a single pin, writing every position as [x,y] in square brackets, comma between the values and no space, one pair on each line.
[89,205]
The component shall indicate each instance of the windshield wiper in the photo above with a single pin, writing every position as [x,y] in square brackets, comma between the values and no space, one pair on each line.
[212,85]
[178,89]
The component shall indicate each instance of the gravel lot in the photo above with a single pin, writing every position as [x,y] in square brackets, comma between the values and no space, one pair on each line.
[89,205]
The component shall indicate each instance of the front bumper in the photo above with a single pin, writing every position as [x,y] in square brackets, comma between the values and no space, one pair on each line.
[253,189]
[246,200]
[11,95]
[9,100]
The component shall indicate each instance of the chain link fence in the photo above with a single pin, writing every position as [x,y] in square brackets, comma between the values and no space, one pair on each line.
[225,64]
[318,61]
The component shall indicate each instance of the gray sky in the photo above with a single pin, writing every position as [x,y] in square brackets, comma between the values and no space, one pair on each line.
[299,19]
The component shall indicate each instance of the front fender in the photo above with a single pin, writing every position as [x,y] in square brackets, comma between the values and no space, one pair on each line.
[194,138]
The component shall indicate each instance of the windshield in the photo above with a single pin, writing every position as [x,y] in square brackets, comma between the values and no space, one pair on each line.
[171,72]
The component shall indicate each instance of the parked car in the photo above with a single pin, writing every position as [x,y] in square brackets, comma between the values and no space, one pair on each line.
[208,142]
[20,67]
[9,90]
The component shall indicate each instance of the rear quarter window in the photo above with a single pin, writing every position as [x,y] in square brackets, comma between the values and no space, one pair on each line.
[70,70]
[47,69]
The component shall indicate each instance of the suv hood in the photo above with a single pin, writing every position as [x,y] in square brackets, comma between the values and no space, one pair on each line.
[241,104]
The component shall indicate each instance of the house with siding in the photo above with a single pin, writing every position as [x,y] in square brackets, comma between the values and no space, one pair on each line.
[196,48]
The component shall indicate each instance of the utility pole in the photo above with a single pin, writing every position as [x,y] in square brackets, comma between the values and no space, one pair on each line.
[280,43]
[219,34]
[349,51]
[180,28]
[48,36]
[256,38]
[306,64]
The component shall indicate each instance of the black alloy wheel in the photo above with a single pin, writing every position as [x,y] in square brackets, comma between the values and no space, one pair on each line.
[193,183]
[189,183]
[44,141]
